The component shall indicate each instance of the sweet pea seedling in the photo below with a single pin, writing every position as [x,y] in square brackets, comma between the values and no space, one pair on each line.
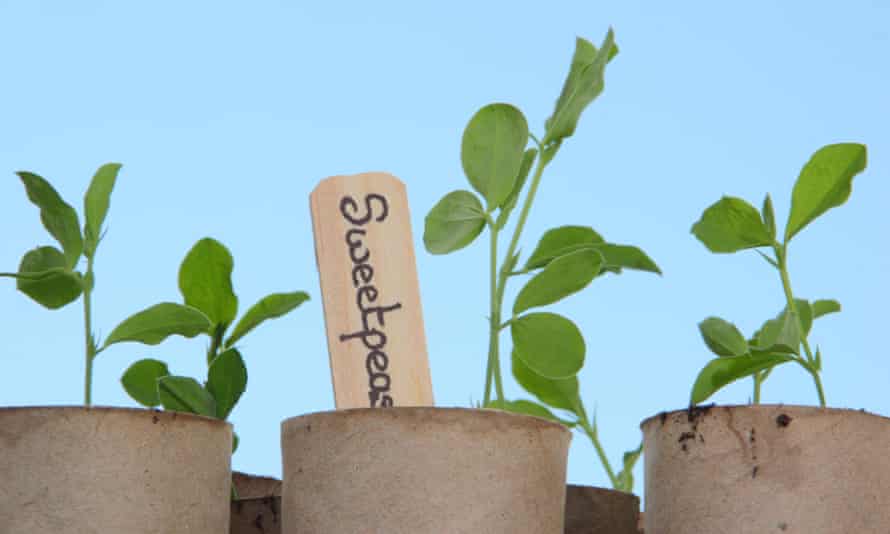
[548,349]
[731,225]
[209,307]
[50,277]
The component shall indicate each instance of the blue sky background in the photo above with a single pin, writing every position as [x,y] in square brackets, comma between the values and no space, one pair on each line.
[227,114]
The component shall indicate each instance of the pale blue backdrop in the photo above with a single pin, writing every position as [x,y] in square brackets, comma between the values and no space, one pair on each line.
[226,114]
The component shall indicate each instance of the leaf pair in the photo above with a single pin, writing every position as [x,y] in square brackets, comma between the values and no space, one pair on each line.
[825,182]
[496,165]
[777,342]
[210,308]
[150,383]
[48,274]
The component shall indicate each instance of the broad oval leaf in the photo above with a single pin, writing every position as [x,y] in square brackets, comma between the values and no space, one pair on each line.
[43,275]
[528,159]
[729,225]
[805,312]
[559,393]
[184,394]
[722,337]
[825,182]
[620,257]
[492,151]
[269,307]
[526,407]
[95,205]
[549,344]
[205,281]
[722,371]
[226,381]
[561,241]
[140,381]
[583,84]
[453,223]
[562,277]
[781,334]
[58,217]
[155,324]
[824,307]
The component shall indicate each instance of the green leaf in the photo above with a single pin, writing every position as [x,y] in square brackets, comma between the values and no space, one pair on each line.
[205,281]
[140,381]
[722,337]
[626,476]
[525,407]
[729,225]
[269,307]
[781,334]
[453,223]
[625,257]
[95,205]
[558,393]
[184,394]
[44,277]
[235,441]
[583,84]
[562,277]
[825,182]
[58,217]
[549,344]
[722,371]
[155,324]
[492,151]
[561,241]
[824,307]
[769,216]
[805,312]
[528,159]
[226,381]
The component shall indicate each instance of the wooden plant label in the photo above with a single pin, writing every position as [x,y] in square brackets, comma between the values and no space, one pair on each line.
[370,292]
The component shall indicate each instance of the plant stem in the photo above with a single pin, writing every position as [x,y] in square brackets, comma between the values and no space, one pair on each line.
[594,438]
[792,307]
[758,380]
[493,368]
[89,342]
[498,281]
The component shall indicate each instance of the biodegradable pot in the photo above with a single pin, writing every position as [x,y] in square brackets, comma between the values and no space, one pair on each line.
[257,510]
[415,469]
[592,510]
[75,470]
[767,468]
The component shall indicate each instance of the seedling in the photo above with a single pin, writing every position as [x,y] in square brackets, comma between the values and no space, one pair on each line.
[548,349]
[210,306]
[50,276]
[731,225]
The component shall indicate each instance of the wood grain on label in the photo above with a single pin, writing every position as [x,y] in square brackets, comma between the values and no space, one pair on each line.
[365,254]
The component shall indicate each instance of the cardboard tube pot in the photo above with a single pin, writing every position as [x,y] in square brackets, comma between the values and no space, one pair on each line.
[412,469]
[592,510]
[767,468]
[74,470]
[257,510]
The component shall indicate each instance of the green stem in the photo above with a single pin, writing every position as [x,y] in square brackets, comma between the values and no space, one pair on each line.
[594,438]
[493,367]
[757,382]
[89,342]
[216,341]
[498,282]
[792,307]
